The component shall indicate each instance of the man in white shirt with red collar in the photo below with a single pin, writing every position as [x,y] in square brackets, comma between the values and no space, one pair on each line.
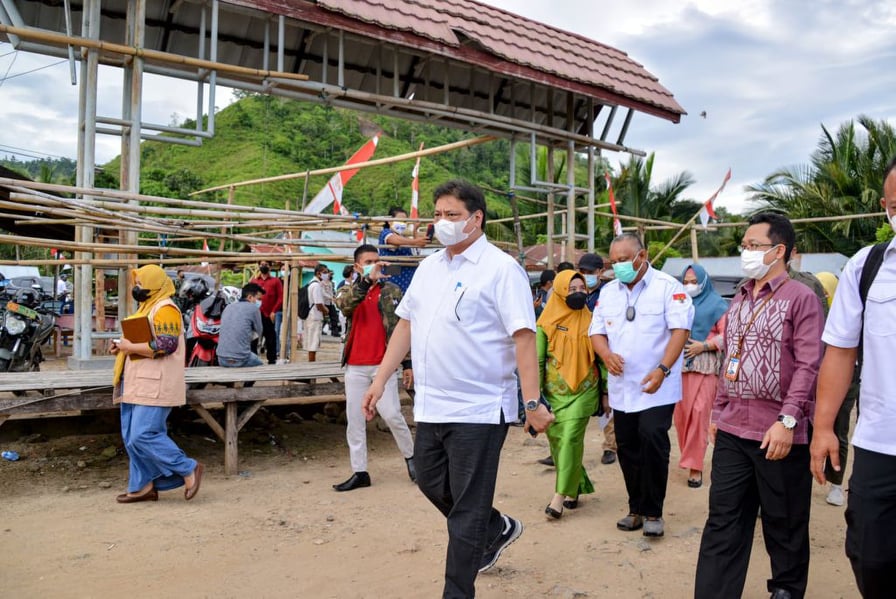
[467,319]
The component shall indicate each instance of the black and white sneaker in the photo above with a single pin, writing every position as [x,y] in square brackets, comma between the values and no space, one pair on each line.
[513,528]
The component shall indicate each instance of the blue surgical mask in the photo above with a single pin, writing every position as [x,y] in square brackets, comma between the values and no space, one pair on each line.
[368,268]
[591,281]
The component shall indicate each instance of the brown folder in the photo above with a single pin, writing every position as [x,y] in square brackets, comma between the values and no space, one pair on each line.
[136,329]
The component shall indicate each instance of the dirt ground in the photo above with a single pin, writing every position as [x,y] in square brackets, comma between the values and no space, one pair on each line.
[279,530]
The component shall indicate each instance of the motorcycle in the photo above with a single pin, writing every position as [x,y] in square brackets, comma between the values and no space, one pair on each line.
[202,315]
[25,325]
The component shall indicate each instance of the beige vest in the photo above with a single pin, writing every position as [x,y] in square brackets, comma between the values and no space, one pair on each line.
[155,381]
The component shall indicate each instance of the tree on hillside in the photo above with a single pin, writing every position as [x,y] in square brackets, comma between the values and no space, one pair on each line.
[844,177]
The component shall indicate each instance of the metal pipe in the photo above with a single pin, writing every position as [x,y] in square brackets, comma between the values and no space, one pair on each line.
[73,73]
[340,68]
[213,79]
[200,87]
[266,52]
[160,138]
[153,127]
[281,42]
[7,19]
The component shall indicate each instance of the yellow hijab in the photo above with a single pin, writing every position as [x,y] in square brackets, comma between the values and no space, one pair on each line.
[571,348]
[829,282]
[161,287]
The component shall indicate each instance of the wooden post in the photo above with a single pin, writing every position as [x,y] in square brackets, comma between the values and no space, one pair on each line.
[295,281]
[695,253]
[99,302]
[231,433]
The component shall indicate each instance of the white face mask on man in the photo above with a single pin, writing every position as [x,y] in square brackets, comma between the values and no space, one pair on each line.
[752,263]
[891,219]
[450,232]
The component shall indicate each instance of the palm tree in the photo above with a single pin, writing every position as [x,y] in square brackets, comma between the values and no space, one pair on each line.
[844,177]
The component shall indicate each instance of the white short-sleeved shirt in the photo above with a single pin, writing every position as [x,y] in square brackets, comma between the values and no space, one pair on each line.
[463,312]
[315,296]
[877,418]
[661,305]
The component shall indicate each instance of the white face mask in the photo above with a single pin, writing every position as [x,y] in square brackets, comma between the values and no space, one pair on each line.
[892,219]
[692,289]
[324,277]
[752,264]
[399,227]
[451,232]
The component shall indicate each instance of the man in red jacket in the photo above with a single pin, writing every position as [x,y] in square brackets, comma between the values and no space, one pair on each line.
[271,303]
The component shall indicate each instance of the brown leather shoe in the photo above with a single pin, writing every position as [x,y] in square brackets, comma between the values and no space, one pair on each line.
[197,478]
[151,495]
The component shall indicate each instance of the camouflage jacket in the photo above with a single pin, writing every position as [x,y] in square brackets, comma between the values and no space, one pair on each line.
[350,296]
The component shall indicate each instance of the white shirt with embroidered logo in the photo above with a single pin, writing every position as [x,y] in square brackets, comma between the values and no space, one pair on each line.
[463,312]
[660,305]
[877,414]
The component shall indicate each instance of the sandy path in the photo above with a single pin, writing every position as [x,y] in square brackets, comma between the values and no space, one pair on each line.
[279,530]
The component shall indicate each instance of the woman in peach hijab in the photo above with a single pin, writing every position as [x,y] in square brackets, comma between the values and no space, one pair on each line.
[148,381]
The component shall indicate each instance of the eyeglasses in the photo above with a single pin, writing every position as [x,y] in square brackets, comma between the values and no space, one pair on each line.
[755,246]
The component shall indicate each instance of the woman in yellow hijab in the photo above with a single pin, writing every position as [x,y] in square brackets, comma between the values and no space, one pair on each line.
[570,383]
[148,381]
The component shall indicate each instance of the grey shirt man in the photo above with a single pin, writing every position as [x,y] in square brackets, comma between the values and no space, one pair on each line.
[238,322]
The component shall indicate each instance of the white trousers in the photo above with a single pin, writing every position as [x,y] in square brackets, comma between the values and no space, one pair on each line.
[357,380]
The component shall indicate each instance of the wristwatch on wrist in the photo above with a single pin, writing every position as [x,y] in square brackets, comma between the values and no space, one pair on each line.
[666,371]
[789,422]
[531,405]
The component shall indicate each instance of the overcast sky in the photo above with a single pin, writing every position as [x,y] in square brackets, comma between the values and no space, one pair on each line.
[768,73]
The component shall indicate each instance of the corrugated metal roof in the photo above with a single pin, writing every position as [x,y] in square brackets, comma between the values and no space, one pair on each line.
[517,40]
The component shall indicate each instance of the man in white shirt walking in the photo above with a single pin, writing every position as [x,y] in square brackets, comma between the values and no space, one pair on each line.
[467,317]
[871,504]
[640,325]
[314,324]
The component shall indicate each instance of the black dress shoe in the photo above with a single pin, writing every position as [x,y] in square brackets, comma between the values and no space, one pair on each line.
[355,481]
[571,504]
[609,457]
[780,594]
[548,461]
[412,472]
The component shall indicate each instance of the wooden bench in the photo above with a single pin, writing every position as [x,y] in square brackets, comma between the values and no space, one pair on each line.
[67,393]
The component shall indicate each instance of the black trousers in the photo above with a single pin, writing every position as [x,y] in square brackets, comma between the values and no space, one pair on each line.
[457,466]
[871,523]
[743,481]
[270,338]
[841,429]
[642,440]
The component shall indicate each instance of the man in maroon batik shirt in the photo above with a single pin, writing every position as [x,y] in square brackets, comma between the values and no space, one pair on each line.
[760,422]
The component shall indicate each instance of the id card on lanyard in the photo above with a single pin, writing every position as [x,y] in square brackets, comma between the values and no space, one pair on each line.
[732,369]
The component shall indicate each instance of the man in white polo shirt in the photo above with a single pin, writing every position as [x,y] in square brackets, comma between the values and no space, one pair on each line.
[871,507]
[640,325]
[467,319]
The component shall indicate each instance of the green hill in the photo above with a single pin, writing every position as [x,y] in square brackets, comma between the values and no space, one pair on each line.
[262,136]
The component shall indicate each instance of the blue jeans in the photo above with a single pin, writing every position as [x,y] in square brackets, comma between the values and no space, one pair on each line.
[154,457]
[457,467]
[250,360]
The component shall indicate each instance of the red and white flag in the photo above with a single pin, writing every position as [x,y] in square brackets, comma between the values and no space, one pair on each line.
[332,191]
[415,186]
[617,226]
[707,211]
[205,250]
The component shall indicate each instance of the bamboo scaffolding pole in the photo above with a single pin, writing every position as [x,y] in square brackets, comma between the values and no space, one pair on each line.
[62,40]
[116,200]
[359,165]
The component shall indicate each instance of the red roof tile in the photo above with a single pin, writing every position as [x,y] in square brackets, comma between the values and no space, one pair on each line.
[516,40]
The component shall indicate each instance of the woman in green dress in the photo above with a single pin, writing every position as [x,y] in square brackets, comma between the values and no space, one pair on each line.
[570,383]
